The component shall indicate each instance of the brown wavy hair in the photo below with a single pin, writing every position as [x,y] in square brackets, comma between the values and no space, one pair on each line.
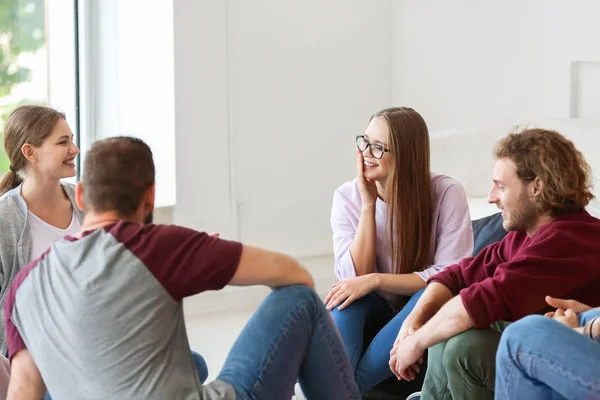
[549,156]
[408,189]
[26,124]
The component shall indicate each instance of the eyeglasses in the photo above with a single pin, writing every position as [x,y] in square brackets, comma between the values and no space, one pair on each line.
[375,149]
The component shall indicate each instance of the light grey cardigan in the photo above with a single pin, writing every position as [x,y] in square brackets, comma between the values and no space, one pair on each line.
[15,242]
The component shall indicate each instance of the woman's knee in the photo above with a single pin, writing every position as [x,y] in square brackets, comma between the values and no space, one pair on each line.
[356,310]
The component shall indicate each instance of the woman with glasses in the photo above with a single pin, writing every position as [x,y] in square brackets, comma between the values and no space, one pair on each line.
[394,226]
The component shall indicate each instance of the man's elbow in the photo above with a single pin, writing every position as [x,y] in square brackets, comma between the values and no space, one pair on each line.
[290,272]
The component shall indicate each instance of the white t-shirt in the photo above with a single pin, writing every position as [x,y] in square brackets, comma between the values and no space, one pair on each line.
[43,234]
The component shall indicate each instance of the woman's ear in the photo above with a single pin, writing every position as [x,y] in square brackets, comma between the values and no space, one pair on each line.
[28,152]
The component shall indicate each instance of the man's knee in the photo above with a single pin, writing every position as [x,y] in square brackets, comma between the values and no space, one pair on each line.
[297,294]
[472,347]
[527,326]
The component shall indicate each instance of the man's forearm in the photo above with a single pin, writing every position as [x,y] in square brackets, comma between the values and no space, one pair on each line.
[432,300]
[25,392]
[449,321]
[26,383]
[292,273]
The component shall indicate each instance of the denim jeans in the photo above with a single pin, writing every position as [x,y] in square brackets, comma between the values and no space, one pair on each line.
[371,313]
[201,366]
[290,338]
[539,358]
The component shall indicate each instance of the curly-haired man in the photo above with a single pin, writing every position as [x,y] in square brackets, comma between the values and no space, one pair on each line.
[542,185]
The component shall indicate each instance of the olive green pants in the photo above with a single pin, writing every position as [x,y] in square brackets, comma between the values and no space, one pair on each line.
[464,366]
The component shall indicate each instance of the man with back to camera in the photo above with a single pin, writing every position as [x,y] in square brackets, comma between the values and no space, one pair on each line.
[100,315]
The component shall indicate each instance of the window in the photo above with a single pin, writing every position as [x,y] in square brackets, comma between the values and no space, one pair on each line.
[38,58]
[133,81]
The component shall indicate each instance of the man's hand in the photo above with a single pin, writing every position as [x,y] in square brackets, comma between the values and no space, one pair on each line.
[405,357]
[410,325]
[574,305]
[350,290]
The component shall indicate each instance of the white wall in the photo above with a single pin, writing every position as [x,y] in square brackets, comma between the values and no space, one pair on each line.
[471,62]
[132,80]
[268,98]
[201,119]
[304,79]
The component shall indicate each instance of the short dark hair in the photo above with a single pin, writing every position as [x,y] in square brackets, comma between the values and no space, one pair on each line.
[552,158]
[116,174]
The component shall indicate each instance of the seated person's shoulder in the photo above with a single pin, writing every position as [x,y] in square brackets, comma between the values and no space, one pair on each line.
[446,186]
[348,190]
[7,201]
[157,245]
[10,212]
[126,231]
[574,225]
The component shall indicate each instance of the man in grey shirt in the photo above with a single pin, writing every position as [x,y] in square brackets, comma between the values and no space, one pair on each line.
[100,316]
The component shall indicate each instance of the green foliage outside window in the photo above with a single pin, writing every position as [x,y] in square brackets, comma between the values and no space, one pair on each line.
[22,30]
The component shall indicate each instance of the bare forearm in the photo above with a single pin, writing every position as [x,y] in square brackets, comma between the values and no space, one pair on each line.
[291,273]
[363,249]
[449,321]
[402,284]
[26,383]
[25,392]
[591,329]
[269,268]
[432,300]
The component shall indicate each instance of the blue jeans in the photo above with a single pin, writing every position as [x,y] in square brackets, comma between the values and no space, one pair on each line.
[371,313]
[201,366]
[539,358]
[290,337]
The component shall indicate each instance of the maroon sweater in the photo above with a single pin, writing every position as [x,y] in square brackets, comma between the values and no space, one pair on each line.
[509,279]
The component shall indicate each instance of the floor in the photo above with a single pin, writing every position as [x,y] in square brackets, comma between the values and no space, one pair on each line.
[213,334]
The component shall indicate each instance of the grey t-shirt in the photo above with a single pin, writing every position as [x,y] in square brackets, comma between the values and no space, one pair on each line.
[102,315]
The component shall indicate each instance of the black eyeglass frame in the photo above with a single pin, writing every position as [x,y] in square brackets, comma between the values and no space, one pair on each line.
[363,139]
